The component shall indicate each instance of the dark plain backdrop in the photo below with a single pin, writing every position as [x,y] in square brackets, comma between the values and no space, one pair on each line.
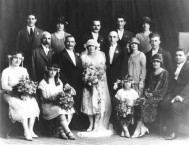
[169,16]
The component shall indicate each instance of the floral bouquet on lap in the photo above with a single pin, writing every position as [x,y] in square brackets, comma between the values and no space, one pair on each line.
[93,74]
[24,88]
[65,99]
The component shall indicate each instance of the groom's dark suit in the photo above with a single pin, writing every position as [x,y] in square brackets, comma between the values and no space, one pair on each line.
[72,74]
[114,69]
[114,73]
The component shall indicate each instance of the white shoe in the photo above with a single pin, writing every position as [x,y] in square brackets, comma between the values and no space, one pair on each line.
[28,136]
[34,135]
[144,130]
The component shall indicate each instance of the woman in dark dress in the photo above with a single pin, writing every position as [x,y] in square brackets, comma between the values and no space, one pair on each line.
[153,95]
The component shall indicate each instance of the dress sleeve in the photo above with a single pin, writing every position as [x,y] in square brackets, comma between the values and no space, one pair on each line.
[118,95]
[42,85]
[4,80]
[143,67]
[135,95]
[162,89]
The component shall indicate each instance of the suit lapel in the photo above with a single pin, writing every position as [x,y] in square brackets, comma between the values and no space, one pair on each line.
[116,53]
[42,53]
[182,70]
[68,57]
[27,35]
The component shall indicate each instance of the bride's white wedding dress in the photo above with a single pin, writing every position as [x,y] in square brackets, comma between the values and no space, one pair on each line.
[105,128]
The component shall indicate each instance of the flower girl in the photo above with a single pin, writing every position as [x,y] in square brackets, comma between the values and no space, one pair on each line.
[125,101]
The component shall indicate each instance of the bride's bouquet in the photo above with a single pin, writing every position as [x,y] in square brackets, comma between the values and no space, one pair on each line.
[24,88]
[93,74]
[65,99]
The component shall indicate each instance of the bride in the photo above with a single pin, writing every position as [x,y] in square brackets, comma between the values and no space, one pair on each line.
[96,99]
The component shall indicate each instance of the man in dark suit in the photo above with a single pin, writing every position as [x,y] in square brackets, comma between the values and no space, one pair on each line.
[167,60]
[41,57]
[71,69]
[114,56]
[28,39]
[177,102]
[94,34]
[123,35]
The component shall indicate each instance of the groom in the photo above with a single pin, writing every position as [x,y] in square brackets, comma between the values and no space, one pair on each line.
[114,56]
[71,73]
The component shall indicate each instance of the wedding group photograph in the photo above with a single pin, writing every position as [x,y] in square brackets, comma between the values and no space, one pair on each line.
[96,72]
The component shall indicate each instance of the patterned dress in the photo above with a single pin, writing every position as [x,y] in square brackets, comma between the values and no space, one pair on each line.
[158,88]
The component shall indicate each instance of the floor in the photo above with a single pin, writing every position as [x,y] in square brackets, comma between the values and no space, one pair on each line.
[150,139]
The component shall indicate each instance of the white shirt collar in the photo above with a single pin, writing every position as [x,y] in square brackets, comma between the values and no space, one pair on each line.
[28,28]
[95,35]
[113,46]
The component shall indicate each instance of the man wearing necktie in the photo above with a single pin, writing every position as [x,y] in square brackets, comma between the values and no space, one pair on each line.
[177,104]
[28,39]
[114,56]
[41,57]
[71,73]
[94,33]
[123,35]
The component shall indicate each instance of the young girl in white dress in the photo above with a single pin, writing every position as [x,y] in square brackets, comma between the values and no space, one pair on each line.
[126,98]
[26,110]
[50,87]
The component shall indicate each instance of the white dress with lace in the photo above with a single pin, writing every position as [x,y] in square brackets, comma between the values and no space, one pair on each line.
[90,102]
[18,109]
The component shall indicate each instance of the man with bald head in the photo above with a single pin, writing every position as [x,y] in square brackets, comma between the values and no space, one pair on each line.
[114,57]
[41,56]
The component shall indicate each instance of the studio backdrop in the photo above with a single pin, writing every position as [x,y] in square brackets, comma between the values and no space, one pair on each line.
[170,18]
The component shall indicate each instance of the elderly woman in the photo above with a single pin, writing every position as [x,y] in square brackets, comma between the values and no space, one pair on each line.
[50,88]
[143,37]
[22,110]
[96,99]
[137,66]
[153,95]
[58,37]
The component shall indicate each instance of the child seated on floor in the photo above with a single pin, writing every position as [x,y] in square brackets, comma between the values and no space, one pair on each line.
[125,101]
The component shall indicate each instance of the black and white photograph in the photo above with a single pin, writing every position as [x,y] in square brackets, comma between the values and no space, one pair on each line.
[98,72]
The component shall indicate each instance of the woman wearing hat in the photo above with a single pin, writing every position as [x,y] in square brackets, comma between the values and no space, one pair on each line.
[21,110]
[96,101]
[58,37]
[137,66]
[153,95]
[143,37]
[50,87]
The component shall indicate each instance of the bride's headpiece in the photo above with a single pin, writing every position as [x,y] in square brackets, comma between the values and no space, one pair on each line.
[92,42]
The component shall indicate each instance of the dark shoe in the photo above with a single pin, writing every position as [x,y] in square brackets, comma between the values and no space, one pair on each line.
[63,136]
[171,137]
[70,136]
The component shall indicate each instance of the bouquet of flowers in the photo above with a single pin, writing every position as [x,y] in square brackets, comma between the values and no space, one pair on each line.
[25,87]
[93,74]
[123,108]
[65,99]
[118,84]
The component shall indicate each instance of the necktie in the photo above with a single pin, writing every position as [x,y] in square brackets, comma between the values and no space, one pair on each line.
[31,33]
[177,72]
